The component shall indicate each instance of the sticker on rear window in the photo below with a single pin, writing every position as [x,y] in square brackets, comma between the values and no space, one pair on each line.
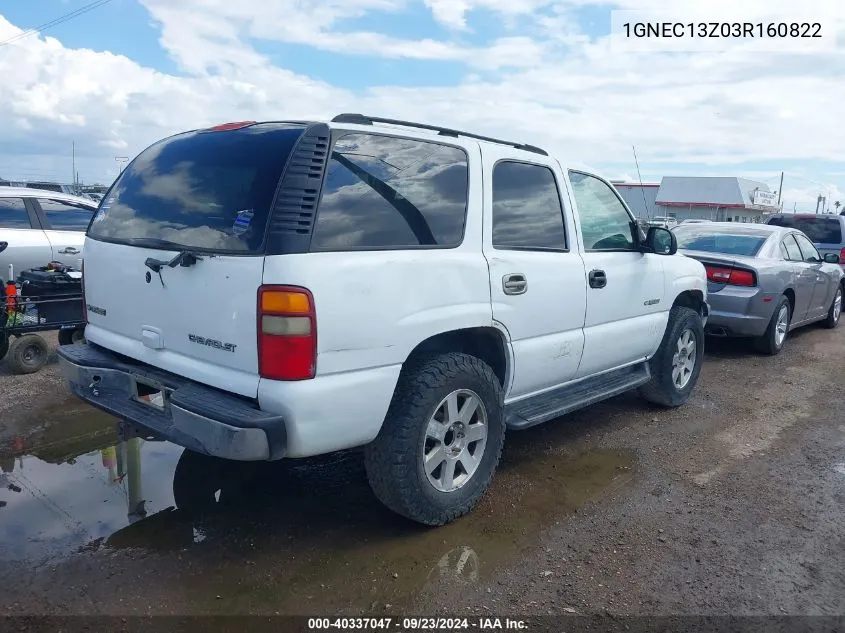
[242,221]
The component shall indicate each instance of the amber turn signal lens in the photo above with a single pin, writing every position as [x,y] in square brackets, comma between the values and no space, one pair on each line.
[285,302]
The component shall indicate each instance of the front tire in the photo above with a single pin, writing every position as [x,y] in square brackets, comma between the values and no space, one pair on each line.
[772,341]
[441,439]
[835,310]
[677,364]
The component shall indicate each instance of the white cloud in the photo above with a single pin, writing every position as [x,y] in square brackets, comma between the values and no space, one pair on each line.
[551,84]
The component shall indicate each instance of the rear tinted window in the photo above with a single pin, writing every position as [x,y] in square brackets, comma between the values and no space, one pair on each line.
[13,214]
[698,238]
[383,192]
[819,230]
[527,212]
[199,190]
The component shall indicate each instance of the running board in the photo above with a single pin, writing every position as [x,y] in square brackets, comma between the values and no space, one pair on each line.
[557,402]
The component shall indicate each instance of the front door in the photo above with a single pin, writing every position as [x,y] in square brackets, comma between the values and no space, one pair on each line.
[536,274]
[822,282]
[627,311]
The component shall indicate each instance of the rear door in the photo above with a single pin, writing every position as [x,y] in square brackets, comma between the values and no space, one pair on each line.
[175,254]
[536,273]
[27,244]
[805,278]
[65,224]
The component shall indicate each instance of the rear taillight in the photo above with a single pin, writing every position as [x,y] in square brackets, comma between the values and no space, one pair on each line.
[842,252]
[287,333]
[732,276]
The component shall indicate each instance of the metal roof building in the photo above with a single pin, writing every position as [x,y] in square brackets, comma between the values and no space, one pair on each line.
[725,199]
[640,197]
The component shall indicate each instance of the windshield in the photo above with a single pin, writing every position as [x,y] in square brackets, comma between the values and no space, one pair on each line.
[819,230]
[702,238]
[204,190]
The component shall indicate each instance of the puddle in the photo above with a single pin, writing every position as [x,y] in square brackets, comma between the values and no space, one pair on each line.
[290,536]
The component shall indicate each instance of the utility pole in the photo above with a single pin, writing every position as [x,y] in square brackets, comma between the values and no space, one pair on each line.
[73,158]
[780,189]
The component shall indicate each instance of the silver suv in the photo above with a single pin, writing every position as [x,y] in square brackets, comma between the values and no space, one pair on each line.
[827,232]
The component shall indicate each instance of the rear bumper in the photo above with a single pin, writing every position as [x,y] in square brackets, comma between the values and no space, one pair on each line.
[738,312]
[197,417]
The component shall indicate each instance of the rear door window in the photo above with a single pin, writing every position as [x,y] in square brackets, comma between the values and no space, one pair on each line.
[527,212]
[383,192]
[66,216]
[13,214]
[203,190]
[819,230]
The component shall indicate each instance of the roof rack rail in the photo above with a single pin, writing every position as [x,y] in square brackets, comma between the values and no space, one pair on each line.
[361,119]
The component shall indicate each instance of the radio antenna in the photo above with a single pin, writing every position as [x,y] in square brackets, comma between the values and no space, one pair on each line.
[642,189]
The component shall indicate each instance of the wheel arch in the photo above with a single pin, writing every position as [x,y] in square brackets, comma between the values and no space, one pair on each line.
[488,343]
[693,299]
[789,293]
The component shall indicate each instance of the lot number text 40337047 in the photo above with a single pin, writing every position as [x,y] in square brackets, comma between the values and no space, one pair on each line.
[418,624]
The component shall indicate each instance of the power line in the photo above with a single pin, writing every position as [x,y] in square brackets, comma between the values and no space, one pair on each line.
[55,22]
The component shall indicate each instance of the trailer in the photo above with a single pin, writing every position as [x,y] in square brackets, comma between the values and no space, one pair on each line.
[43,299]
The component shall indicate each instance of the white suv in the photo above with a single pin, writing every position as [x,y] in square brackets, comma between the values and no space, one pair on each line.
[265,290]
[40,227]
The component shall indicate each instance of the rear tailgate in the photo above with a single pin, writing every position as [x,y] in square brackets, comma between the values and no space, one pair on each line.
[175,255]
[198,322]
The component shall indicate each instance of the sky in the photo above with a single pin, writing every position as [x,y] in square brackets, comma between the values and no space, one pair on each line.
[125,74]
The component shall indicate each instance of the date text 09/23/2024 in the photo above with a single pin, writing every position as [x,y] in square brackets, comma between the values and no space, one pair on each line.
[417,624]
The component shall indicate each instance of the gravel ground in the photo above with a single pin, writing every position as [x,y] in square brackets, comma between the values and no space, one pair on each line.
[732,504]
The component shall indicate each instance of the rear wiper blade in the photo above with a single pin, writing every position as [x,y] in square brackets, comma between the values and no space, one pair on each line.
[154,242]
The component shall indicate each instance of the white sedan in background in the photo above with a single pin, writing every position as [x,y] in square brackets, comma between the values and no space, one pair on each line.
[41,226]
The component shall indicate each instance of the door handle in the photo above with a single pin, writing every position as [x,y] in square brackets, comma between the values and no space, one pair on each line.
[597,279]
[515,284]
[70,250]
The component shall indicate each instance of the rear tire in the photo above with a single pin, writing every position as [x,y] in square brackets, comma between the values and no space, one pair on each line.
[835,310]
[677,364]
[28,354]
[4,345]
[433,458]
[772,341]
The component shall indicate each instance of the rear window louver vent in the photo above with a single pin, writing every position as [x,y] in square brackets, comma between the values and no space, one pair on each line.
[299,192]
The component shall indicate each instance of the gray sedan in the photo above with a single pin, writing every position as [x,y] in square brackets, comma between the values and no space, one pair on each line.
[763,280]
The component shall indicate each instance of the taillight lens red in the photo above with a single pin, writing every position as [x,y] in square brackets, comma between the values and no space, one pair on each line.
[842,255]
[731,276]
[287,333]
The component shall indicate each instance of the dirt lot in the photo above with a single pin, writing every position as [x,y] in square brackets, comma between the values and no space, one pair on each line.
[733,504]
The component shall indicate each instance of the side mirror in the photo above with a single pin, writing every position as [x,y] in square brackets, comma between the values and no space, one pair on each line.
[829,258]
[661,241]
[3,246]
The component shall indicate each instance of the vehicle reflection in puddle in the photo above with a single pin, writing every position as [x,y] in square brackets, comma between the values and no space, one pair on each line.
[288,536]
